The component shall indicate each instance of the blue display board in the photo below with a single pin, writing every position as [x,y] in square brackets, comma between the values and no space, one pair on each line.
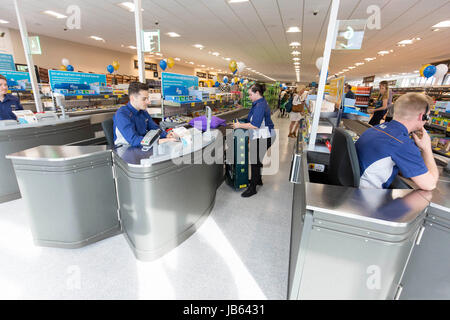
[7,62]
[77,83]
[175,85]
[17,80]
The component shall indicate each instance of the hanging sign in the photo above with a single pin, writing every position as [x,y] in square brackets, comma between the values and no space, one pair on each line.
[150,39]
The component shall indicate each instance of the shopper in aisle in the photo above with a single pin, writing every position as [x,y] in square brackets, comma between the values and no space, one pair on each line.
[349,94]
[284,100]
[381,104]
[297,107]
[387,149]
[261,134]
[131,122]
[390,109]
[8,102]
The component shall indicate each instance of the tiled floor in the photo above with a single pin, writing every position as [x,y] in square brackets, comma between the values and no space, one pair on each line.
[240,252]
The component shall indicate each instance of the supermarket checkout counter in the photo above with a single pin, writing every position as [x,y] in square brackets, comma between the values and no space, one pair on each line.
[15,137]
[158,198]
[368,244]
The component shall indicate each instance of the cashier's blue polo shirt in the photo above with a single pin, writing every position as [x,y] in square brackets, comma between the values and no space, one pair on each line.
[385,150]
[131,125]
[9,104]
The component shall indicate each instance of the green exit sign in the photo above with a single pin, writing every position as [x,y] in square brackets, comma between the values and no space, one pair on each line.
[35,45]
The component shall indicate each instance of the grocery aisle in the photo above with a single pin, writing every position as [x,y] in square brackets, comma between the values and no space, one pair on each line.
[240,252]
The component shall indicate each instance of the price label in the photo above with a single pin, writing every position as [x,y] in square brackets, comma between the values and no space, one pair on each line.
[9,91]
[436,112]
[106,96]
[79,97]
[204,103]
[192,104]
[120,96]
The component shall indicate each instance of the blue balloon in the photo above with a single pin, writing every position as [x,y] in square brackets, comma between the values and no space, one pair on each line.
[110,69]
[69,67]
[225,79]
[163,64]
[242,81]
[429,71]
[232,83]
[234,72]
[217,84]
[281,86]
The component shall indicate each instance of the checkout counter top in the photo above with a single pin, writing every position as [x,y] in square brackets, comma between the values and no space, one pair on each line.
[42,123]
[135,157]
[395,208]
[57,153]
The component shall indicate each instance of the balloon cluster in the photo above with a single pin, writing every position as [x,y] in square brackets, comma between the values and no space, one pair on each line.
[66,66]
[113,67]
[169,62]
[236,66]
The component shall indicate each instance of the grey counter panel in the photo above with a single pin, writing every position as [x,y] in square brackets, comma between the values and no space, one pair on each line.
[22,137]
[69,193]
[163,204]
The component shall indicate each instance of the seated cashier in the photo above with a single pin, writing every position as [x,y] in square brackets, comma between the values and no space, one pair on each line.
[386,149]
[8,102]
[132,122]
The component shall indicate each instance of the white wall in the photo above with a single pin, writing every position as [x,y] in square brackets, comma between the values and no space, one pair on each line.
[85,58]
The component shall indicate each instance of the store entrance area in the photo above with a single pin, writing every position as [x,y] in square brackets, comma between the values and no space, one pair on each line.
[241,251]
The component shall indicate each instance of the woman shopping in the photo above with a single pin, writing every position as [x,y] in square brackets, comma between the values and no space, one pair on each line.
[298,103]
[261,134]
[381,104]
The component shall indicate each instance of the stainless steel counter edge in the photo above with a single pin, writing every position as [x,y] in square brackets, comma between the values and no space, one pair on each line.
[14,156]
[42,123]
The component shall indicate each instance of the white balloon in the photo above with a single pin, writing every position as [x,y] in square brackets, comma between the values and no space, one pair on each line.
[245,81]
[319,62]
[240,66]
[65,62]
[225,78]
[441,69]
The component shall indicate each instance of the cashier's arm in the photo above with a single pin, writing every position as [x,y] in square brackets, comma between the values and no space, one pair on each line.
[238,125]
[426,181]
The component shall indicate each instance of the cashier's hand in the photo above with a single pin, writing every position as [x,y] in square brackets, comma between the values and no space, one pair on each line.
[424,143]
[164,140]
[236,125]
[369,110]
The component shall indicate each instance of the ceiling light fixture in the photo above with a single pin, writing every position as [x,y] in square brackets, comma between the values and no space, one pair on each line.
[382,53]
[132,47]
[359,64]
[295,53]
[294,44]
[293,29]
[177,59]
[199,46]
[436,29]
[351,68]
[129,6]
[228,59]
[345,70]
[191,62]
[97,38]
[369,59]
[3,21]
[215,54]
[55,14]
[173,34]
[237,1]
[442,24]
[296,59]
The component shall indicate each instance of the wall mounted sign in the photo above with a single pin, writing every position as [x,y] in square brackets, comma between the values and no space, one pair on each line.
[369,79]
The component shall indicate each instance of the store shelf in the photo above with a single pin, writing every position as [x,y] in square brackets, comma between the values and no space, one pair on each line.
[362,94]
[361,105]
[435,126]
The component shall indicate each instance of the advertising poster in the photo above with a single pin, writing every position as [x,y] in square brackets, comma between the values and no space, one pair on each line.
[173,84]
[337,90]
[7,62]
[17,80]
[77,83]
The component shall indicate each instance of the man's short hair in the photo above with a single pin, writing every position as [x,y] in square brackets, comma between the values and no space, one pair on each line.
[411,104]
[3,78]
[349,86]
[136,87]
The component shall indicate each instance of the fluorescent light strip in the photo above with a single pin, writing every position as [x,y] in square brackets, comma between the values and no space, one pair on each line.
[97,38]
[129,6]
[55,14]
[237,1]
[294,44]
[293,29]
[442,24]
[173,34]
[3,21]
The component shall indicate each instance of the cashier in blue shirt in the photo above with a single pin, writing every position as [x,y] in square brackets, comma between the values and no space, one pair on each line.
[261,134]
[132,122]
[8,102]
[387,149]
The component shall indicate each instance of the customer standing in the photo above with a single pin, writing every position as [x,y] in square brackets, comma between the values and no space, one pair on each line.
[349,94]
[8,102]
[261,134]
[295,115]
[390,110]
[381,104]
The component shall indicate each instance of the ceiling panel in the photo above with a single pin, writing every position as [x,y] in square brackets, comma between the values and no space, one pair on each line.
[254,32]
